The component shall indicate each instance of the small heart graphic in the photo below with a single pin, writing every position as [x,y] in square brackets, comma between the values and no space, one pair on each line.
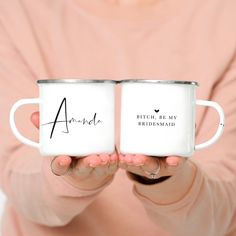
[156,110]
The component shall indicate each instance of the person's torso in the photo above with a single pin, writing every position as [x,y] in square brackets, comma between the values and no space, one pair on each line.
[72,39]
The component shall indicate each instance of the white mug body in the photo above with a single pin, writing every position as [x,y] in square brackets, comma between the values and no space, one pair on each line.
[157,118]
[77,119]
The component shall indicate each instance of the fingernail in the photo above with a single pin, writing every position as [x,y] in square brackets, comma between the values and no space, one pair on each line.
[173,163]
[62,163]
[137,161]
[93,165]
[104,158]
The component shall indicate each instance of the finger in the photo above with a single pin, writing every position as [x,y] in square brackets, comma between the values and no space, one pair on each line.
[104,158]
[113,164]
[113,158]
[82,168]
[93,161]
[174,164]
[131,162]
[168,165]
[102,166]
[35,119]
[122,163]
[173,161]
[121,159]
[151,166]
[128,162]
[108,164]
[60,165]
[139,160]
[141,164]
[149,163]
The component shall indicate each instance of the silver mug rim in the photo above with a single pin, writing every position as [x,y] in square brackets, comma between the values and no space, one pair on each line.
[160,81]
[75,81]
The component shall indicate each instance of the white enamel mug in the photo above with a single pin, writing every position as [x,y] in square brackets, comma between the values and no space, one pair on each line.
[158,118]
[76,117]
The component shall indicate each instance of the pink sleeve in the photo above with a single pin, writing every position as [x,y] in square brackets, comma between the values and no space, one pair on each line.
[26,177]
[209,206]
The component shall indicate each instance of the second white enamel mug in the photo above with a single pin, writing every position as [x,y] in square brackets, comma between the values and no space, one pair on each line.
[158,118]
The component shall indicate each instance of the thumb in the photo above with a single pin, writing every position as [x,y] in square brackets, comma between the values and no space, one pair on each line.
[35,119]
[60,165]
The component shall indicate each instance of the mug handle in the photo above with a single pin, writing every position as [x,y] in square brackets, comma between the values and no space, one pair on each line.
[220,129]
[15,131]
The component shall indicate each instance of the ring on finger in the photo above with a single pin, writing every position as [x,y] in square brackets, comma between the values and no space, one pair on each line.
[153,174]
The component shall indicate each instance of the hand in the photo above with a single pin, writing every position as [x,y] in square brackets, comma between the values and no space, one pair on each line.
[176,173]
[87,173]
[151,167]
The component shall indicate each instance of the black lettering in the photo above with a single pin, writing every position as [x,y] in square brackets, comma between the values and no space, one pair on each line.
[94,121]
[55,121]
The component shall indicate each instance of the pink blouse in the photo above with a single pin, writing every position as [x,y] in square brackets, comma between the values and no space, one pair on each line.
[169,40]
